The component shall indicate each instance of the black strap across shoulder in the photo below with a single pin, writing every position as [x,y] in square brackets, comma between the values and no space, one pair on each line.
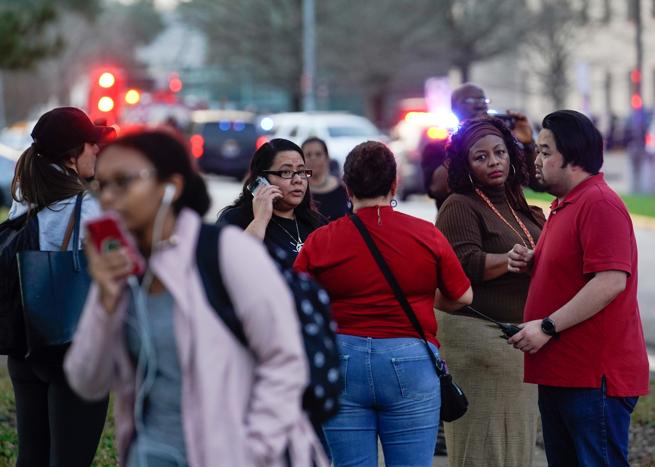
[400,296]
[219,299]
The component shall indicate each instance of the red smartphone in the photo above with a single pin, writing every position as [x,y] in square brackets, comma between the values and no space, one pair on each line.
[107,234]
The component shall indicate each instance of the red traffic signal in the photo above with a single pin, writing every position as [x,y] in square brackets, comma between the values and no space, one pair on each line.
[106,80]
[636,101]
[175,84]
[105,94]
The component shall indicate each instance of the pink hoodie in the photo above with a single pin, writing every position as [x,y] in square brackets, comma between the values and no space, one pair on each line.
[240,407]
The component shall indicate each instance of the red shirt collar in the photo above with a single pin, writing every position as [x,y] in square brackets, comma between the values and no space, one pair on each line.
[577,191]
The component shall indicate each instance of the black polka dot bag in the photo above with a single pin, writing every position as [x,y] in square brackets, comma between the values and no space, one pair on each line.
[321,397]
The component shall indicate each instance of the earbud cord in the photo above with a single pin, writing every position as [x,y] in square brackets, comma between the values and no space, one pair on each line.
[147,359]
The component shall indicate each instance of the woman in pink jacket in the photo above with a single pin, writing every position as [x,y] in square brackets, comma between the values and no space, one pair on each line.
[188,393]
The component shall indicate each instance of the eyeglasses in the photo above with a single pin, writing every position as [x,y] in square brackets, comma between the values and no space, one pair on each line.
[477,100]
[120,184]
[289,174]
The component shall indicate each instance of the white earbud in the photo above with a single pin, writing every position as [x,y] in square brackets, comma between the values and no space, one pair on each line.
[169,193]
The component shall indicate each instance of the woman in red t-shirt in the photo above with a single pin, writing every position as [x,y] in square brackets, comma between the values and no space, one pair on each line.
[391,389]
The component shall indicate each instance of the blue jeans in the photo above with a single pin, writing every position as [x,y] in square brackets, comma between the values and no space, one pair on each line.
[391,391]
[585,427]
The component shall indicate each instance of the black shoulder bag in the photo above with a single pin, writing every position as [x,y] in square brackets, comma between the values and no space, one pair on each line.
[453,399]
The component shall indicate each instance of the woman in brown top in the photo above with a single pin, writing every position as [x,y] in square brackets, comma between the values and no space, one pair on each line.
[484,217]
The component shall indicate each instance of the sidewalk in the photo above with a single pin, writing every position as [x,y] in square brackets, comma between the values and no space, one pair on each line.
[442,461]
[539,460]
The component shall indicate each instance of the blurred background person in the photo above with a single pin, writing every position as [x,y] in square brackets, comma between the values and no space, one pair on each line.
[187,391]
[55,426]
[466,101]
[280,212]
[391,388]
[328,192]
[469,101]
[484,217]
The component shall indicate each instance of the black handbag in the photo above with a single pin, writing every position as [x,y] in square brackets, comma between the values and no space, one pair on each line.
[453,400]
[53,286]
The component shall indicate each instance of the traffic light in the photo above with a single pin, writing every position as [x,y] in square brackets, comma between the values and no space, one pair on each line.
[174,83]
[636,101]
[106,94]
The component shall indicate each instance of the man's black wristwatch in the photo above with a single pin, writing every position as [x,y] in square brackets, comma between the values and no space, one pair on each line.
[548,327]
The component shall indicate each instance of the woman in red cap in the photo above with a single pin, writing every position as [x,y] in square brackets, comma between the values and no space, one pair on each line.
[55,427]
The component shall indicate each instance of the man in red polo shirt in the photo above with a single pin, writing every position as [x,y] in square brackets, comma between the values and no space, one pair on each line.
[582,337]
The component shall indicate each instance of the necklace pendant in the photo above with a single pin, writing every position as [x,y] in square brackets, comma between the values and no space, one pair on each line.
[298,246]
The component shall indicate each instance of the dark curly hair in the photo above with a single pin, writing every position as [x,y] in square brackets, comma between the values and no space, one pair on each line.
[458,171]
[458,152]
[369,170]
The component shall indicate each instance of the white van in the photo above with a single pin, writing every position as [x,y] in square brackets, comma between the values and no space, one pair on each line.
[341,131]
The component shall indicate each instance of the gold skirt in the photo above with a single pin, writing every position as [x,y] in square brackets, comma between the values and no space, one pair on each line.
[499,428]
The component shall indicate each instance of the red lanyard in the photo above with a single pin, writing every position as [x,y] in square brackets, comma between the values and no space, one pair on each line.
[520,223]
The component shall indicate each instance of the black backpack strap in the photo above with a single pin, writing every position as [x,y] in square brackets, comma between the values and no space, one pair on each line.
[397,291]
[212,281]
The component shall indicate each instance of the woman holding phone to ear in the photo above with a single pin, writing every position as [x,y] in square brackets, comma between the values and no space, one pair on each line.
[188,393]
[280,212]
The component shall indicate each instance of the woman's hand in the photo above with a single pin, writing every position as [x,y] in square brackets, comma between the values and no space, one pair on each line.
[262,203]
[109,270]
[262,209]
[519,259]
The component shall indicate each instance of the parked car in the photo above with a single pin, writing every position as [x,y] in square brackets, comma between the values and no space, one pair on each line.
[341,131]
[8,158]
[223,141]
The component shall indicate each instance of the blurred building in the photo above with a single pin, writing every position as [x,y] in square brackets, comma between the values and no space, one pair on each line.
[601,56]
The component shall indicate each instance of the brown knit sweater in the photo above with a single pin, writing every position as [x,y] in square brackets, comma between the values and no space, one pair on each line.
[474,230]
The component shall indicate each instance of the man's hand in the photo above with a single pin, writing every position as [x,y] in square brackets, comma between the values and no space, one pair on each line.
[530,338]
[519,259]
[523,129]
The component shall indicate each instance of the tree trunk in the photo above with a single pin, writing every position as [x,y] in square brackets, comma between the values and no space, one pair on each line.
[377,106]
[465,71]
[296,100]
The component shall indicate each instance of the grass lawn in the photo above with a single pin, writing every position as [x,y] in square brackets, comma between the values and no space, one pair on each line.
[642,205]
[645,411]
[105,456]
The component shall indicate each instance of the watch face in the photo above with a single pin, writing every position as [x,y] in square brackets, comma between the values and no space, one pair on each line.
[548,326]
